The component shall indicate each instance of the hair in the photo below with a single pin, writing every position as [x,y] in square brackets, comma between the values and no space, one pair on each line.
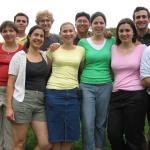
[132,25]
[27,43]
[139,9]
[65,23]
[96,14]
[40,14]
[8,23]
[21,14]
[82,14]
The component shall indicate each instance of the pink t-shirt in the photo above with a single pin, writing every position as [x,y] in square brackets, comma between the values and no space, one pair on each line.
[126,69]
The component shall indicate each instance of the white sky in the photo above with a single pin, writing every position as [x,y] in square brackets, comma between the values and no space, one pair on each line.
[65,10]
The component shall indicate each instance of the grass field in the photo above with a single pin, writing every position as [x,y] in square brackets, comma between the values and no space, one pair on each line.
[31,142]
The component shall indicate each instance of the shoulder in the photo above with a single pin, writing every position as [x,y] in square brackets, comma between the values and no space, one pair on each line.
[19,55]
[44,54]
[141,47]
[20,46]
[112,39]
[147,50]
[80,48]
[83,40]
[114,48]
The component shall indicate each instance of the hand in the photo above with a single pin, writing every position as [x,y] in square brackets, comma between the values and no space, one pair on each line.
[10,114]
[54,46]
[108,34]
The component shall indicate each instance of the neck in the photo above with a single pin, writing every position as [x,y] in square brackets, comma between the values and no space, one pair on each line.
[127,45]
[98,37]
[82,34]
[47,34]
[68,46]
[21,34]
[10,46]
[33,51]
[142,32]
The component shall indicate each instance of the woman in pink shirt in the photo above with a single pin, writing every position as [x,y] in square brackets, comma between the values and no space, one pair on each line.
[128,101]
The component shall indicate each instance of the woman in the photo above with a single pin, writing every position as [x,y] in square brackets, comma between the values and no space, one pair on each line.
[62,97]
[7,49]
[96,83]
[128,100]
[28,73]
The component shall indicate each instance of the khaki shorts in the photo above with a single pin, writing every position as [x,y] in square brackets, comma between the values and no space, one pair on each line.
[2,95]
[32,108]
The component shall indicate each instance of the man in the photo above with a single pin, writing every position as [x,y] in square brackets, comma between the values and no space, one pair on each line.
[82,24]
[141,17]
[45,20]
[21,21]
[145,76]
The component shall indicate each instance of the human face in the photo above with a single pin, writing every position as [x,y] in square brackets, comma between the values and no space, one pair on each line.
[21,23]
[98,26]
[67,33]
[45,23]
[82,25]
[141,19]
[125,33]
[9,34]
[37,38]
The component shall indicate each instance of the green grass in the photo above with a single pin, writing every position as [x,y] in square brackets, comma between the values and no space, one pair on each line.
[31,142]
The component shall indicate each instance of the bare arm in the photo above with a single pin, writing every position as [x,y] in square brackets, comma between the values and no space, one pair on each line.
[81,66]
[146,82]
[80,70]
[9,97]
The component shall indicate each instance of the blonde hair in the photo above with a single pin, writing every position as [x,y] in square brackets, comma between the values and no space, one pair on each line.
[66,23]
[40,14]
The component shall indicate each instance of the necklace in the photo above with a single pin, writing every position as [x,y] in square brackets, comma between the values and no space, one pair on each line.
[9,50]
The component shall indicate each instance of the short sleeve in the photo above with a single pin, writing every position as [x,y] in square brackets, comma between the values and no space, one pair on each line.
[145,64]
[49,54]
[14,65]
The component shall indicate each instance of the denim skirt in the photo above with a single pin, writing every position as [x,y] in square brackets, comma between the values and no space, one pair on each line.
[63,115]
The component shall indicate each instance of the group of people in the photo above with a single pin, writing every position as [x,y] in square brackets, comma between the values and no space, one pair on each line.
[90,77]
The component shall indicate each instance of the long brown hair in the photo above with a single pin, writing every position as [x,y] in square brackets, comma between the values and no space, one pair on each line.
[27,44]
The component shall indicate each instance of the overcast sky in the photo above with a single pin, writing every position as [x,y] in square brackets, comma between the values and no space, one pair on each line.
[65,10]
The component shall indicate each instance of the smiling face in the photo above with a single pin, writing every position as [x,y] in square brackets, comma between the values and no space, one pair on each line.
[125,33]
[45,23]
[21,23]
[141,19]
[82,25]
[67,33]
[9,34]
[98,25]
[36,38]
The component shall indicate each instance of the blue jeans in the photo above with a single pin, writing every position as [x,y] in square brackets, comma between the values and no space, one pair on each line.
[94,108]
[63,115]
